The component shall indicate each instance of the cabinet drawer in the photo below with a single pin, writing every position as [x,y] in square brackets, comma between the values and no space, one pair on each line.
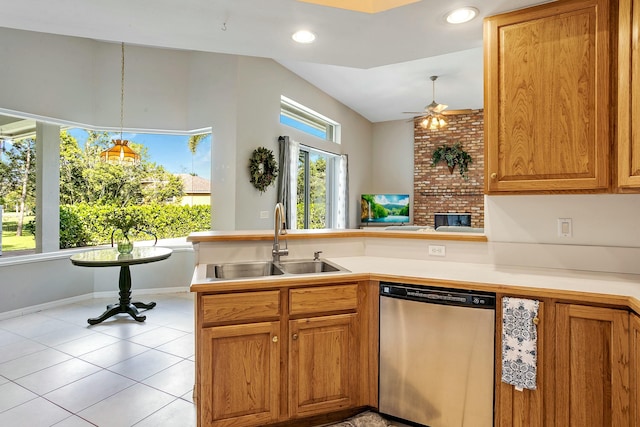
[247,306]
[323,299]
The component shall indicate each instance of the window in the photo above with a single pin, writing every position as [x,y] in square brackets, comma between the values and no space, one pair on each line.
[306,120]
[173,172]
[317,182]
[320,197]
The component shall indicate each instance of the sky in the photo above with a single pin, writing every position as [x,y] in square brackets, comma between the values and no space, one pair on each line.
[396,199]
[170,151]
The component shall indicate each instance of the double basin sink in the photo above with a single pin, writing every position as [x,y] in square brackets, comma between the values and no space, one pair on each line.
[244,270]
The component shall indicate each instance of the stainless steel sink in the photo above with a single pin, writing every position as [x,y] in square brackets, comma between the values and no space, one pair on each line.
[309,266]
[242,270]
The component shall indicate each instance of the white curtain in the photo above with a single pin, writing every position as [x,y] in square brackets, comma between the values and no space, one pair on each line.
[287,178]
[342,211]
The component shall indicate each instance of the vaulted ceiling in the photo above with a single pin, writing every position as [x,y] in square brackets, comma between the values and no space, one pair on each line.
[376,63]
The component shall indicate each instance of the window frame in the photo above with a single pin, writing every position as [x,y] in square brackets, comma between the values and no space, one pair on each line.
[44,233]
[304,118]
[330,185]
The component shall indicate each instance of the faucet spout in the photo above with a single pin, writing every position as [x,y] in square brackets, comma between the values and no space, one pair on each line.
[279,229]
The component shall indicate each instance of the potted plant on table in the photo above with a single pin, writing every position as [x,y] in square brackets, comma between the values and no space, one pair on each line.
[123,221]
[452,155]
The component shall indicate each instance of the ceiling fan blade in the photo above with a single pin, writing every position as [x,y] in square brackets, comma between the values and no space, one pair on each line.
[435,108]
[413,112]
[454,112]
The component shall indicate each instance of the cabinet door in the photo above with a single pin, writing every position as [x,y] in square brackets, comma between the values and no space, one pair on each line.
[547,98]
[526,408]
[628,146]
[239,375]
[323,364]
[592,366]
[635,370]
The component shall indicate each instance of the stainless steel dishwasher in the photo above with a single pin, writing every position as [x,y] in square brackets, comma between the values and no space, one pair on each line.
[437,355]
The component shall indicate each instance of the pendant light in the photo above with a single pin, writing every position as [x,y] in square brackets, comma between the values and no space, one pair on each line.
[121,153]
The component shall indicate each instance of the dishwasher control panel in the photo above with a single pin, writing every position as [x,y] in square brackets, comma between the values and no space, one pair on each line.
[427,294]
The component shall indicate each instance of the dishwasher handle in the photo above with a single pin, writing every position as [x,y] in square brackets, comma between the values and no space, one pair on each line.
[433,295]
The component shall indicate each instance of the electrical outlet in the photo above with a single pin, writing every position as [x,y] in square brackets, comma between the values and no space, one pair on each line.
[437,250]
[565,227]
[264,214]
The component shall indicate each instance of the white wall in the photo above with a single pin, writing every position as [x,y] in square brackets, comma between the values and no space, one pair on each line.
[392,157]
[239,97]
[78,81]
[606,220]
[48,76]
[392,162]
[156,87]
[261,82]
[598,219]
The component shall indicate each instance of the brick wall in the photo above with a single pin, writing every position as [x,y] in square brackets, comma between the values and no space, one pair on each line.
[435,190]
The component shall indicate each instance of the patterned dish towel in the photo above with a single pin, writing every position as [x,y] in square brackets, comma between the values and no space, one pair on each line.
[519,342]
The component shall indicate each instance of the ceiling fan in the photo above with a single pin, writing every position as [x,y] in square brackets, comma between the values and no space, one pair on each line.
[432,116]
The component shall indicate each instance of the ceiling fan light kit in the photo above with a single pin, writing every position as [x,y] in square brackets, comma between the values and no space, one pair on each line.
[433,122]
[432,117]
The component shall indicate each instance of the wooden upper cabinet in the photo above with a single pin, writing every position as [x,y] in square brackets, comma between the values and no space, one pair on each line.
[628,141]
[547,98]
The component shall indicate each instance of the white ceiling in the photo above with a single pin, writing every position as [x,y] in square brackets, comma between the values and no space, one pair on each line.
[377,64]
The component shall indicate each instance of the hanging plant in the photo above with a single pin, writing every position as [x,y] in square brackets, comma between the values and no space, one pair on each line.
[452,155]
[263,168]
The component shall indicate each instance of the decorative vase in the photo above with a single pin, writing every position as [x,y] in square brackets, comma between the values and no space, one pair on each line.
[123,243]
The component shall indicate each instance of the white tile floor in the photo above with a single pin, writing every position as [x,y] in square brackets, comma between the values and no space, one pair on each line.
[56,370]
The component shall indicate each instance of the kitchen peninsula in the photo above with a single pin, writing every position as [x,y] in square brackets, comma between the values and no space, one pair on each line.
[282,330]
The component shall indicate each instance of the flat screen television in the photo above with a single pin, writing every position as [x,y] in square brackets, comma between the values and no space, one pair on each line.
[384,209]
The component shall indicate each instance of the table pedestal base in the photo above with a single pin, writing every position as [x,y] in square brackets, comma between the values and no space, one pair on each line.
[131,309]
[124,305]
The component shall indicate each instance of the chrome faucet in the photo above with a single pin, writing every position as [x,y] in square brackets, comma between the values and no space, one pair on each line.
[279,229]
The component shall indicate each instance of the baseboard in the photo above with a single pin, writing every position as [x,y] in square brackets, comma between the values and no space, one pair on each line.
[45,306]
[115,294]
[110,294]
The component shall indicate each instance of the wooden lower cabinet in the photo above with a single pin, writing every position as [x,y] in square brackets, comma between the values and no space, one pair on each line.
[240,375]
[271,356]
[323,364]
[588,361]
[526,408]
[635,370]
[592,366]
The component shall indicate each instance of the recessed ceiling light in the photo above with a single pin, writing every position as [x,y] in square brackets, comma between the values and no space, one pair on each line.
[303,36]
[461,15]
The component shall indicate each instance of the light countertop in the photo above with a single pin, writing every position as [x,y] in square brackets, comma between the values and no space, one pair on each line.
[606,288]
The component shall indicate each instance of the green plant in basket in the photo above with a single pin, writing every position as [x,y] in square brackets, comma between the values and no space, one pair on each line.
[452,155]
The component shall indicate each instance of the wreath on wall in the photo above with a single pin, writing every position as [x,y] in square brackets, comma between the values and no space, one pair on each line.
[262,168]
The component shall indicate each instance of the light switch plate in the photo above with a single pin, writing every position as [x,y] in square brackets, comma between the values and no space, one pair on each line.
[565,227]
[264,214]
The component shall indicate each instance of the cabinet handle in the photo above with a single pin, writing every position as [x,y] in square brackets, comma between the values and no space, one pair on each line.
[536,321]
[294,337]
[275,338]
[494,175]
